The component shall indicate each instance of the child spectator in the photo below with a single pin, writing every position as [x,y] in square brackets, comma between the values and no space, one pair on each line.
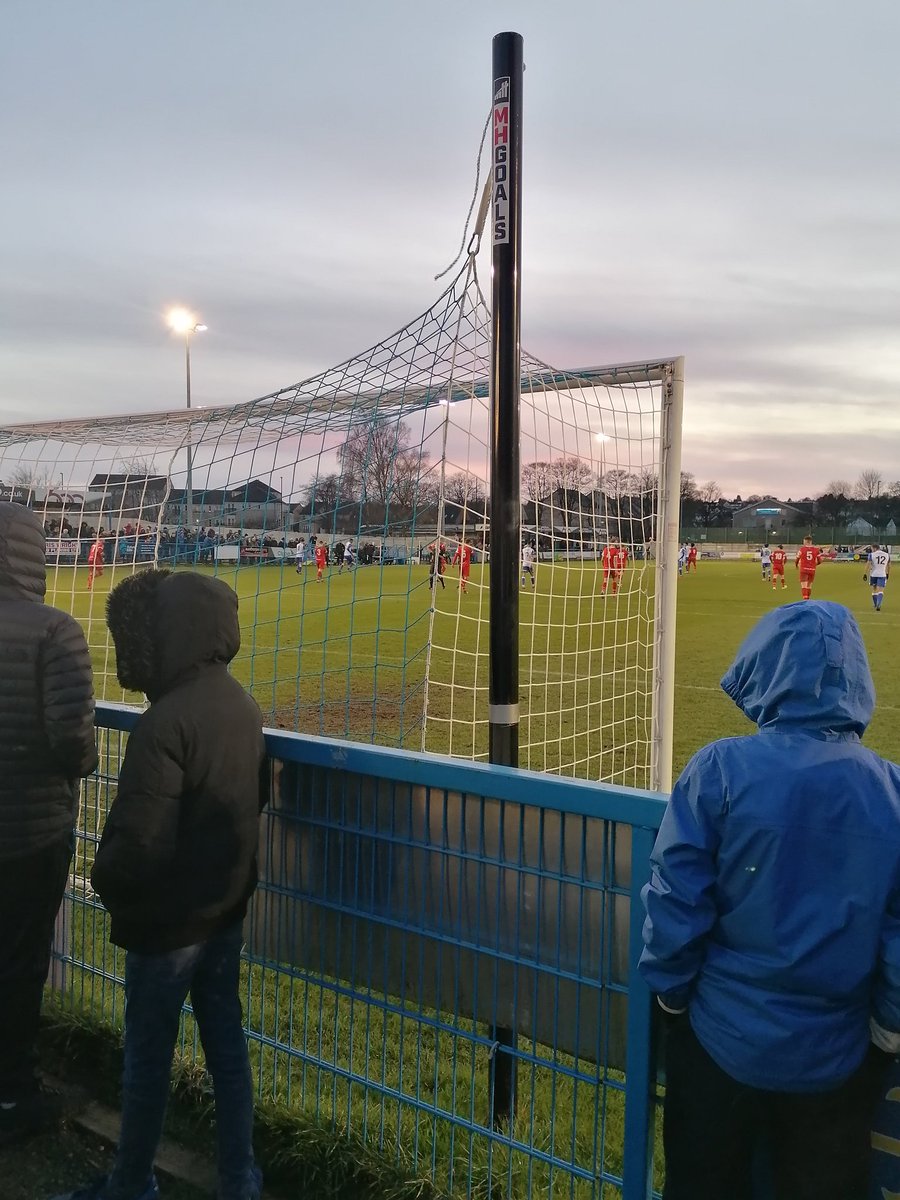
[176,866]
[773,924]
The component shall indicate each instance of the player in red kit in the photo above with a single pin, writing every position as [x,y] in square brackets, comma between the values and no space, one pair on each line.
[321,560]
[619,563]
[463,556]
[95,562]
[808,558]
[606,562]
[779,558]
[613,560]
[691,559]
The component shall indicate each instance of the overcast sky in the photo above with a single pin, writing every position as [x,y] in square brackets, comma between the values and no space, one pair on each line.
[706,178]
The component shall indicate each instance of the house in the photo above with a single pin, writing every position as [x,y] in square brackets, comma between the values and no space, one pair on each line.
[768,514]
[251,505]
[134,497]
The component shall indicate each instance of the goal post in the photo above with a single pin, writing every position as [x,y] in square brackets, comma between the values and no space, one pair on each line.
[389,453]
[665,614]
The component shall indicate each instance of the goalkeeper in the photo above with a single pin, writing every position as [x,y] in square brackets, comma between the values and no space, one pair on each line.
[772,936]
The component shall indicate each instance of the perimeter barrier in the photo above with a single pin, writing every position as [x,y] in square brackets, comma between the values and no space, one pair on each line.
[408,906]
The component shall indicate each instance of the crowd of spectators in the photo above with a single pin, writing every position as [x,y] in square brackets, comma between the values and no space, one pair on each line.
[179,545]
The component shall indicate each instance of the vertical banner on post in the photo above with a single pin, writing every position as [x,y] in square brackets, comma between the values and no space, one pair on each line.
[506,241]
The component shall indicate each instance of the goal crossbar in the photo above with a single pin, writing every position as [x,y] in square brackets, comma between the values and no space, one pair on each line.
[302,401]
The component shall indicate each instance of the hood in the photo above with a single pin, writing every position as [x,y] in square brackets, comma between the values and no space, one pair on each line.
[23,567]
[804,666]
[166,627]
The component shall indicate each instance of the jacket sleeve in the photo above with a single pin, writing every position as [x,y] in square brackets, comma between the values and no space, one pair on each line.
[140,837]
[679,898]
[886,983]
[67,689]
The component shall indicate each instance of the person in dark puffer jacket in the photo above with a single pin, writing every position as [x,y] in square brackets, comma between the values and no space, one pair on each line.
[176,865]
[46,746]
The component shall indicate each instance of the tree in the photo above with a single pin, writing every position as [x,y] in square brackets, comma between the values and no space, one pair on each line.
[709,497]
[833,508]
[463,488]
[688,498]
[618,483]
[572,475]
[322,494]
[838,487]
[379,462]
[412,485]
[537,480]
[870,485]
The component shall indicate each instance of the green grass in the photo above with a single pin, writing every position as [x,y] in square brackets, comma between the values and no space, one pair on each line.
[348,657]
[719,605]
[559,1101]
[352,657]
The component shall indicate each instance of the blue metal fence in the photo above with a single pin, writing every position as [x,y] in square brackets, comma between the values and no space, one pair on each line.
[408,906]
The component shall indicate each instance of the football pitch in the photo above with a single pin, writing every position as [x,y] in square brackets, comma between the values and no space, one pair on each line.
[721,603]
[351,652]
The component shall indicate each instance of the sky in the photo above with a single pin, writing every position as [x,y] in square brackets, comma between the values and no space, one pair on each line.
[707,178]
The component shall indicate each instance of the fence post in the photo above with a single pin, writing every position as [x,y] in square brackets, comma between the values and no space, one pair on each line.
[62,942]
[640,1062]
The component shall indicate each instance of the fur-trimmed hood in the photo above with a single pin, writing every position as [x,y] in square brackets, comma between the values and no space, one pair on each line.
[167,627]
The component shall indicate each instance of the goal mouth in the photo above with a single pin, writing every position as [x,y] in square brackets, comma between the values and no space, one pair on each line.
[389,452]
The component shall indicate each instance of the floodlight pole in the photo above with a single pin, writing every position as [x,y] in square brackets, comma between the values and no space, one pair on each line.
[189,489]
[503,692]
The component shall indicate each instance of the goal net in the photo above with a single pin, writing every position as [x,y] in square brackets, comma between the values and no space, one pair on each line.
[381,464]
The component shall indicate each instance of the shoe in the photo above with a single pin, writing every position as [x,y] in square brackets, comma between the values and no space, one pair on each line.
[31,1115]
[96,1191]
[256,1186]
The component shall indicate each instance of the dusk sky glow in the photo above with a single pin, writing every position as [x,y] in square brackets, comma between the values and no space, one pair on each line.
[715,180]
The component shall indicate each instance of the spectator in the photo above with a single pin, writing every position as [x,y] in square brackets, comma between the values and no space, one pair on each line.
[773,924]
[176,866]
[46,746]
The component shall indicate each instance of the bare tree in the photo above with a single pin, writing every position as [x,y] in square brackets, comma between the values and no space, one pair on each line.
[30,479]
[709,497]
[412,484]
[372,459]
[870,485]
[537,480]
[646,482]
[618,483]
[688,486]
[463,488]
[839,487]
[323,494]
[572,474]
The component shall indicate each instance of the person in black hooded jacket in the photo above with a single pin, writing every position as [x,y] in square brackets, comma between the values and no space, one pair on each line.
[176,865]
[46,745]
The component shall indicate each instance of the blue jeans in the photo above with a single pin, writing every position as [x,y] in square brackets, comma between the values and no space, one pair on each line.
[156,986]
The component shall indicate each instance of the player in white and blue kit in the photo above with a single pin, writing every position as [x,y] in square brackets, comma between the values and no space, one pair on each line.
[528,563]
[765,557]
[879,567]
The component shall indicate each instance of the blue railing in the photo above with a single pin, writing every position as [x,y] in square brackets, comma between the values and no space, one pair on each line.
[433,943]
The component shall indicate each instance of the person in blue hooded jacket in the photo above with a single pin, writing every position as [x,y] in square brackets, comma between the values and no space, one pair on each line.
[772,935]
